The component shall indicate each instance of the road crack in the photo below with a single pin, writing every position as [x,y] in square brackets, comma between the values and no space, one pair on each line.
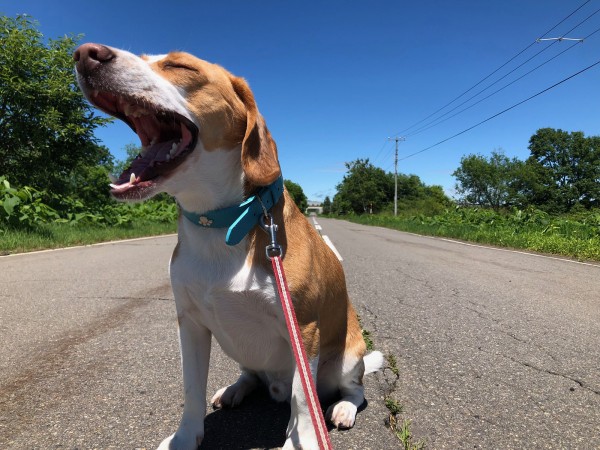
[554,373]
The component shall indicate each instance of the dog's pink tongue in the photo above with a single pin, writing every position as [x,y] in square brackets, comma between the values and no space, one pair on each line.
[143,166]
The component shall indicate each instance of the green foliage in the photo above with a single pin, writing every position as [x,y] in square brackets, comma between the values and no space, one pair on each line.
[131,150]
[564,170]
[488,181]
[46,126]
[365,188]
[56,235]
[369,189]
[23,207]
[327,205]
[28,207]
[297,194]
[406,437]
[576,235]
[393,406]
[561,174]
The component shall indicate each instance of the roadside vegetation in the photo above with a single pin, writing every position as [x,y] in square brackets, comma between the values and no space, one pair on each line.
[549,203]
[575,235]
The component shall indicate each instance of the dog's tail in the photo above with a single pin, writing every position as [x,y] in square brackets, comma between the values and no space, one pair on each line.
[373,362]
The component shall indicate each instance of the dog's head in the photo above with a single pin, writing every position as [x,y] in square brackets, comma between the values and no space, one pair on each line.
[199,126]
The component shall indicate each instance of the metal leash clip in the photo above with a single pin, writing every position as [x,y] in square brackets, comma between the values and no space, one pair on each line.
[273,249]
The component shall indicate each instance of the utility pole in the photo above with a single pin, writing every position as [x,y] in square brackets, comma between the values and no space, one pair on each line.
[560,39]
[397,139]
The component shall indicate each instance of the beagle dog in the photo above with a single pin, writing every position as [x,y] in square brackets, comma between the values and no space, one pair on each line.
[205,143]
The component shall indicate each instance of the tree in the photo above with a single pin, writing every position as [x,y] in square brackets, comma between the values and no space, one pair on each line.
[297,194]
[131,150]
[365,188]
[489,181]
[46,126]
[564,170]
[368,189]
[327,205]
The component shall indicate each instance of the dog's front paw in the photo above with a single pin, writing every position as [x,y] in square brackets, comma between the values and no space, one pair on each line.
[342,414]
[181,441]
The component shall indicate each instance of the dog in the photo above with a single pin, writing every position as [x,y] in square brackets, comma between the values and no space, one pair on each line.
[205,143]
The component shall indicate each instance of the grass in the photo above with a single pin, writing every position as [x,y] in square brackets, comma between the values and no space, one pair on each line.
[55,235]
[558,236]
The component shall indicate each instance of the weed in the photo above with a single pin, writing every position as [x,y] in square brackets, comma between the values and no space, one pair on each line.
[366,334]
[393,406]
[402,431]
[405,436]
[393,364]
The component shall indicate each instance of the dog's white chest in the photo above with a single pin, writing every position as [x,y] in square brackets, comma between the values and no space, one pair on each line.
[238,303]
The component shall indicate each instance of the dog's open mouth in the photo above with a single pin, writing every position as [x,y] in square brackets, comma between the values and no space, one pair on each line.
[166,138]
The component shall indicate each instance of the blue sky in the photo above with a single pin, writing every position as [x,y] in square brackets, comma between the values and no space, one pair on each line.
[334,79]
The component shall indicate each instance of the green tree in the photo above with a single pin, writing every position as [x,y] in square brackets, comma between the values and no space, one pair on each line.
[46,126]
[131,150]
[327,205]
[489,181]
[297,194]
[365,188]
[564,170]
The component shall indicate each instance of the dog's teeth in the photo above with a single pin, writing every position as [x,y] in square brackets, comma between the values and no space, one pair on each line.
[132,178]
[114,186]
[168,157]
[127,109]
[173,149]
[95,93]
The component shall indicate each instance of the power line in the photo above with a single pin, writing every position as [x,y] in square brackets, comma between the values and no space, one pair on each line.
[437,121]
[386,142]
[495,71]
[501,112]
[427,125]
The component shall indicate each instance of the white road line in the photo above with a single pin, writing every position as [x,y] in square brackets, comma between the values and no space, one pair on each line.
[507,250]
[332,247]
[87,245]
[326,239]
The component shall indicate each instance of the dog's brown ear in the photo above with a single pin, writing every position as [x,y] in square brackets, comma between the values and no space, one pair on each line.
[259,152]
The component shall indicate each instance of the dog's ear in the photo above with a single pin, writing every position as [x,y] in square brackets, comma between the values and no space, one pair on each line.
[259,152]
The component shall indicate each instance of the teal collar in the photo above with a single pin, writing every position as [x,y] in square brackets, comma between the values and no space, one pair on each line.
[240,219]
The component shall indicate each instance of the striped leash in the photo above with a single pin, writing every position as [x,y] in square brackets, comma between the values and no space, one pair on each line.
[274,253]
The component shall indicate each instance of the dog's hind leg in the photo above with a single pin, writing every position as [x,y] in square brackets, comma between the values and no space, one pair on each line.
[342,414]
[232,395]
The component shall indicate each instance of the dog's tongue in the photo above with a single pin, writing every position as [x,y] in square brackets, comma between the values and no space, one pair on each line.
[144,166]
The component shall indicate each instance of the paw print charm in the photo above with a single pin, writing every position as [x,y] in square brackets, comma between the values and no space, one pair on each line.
[205,221]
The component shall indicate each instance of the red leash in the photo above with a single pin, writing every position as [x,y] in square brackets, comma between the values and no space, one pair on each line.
[308,384]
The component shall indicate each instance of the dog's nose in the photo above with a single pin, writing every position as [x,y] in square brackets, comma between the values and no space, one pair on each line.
[91,56]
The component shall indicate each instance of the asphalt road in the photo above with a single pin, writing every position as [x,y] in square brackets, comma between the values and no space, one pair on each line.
[495,349]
